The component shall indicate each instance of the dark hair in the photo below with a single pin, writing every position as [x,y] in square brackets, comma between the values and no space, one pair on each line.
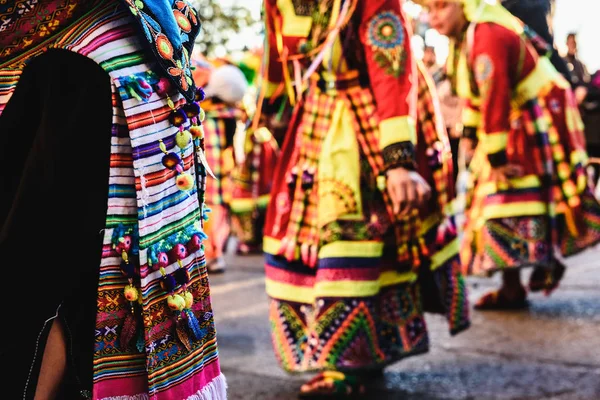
[571,35]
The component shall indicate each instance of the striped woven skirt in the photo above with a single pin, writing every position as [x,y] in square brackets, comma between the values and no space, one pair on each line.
[141,348]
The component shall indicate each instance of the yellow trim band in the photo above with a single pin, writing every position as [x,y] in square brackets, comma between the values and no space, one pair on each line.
[285,291]
[397,129]
[525,182]
[471,117]
[351,249]
[346,288]
[494,142]
[272,246]
[540,80]
[439,258]
[518,209]
[247,205]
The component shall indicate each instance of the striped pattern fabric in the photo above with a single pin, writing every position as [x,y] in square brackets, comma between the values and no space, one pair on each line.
[142,195]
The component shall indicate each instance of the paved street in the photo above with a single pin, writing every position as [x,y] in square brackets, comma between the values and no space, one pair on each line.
[551,351]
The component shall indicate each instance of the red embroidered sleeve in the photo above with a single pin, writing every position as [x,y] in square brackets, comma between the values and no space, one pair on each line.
[384,35]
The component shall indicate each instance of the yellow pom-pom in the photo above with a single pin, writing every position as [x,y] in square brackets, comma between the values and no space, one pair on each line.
[559,154]
[202,115]
[185,181]
[197,131]
[563,170]
[574,201]
[183,138]
[189,299]
[131,293]
[569,189]
[176,302]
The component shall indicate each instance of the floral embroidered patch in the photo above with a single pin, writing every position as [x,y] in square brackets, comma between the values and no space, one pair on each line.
[174,59]
[385,36]
[484,68]
[483,73]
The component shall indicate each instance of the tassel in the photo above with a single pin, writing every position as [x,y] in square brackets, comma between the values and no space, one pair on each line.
[441,235]
[304,250]
[182,334]
[128,331]
[140,343]
[403,255]
[424,248]
[139,88]
[194,325]
[314,252]
[282,246]
[416,256]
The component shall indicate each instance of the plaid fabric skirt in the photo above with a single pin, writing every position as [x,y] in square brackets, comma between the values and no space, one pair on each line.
[219,124]
[342,294]
[549,209]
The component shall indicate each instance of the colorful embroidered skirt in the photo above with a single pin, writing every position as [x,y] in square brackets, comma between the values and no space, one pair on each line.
[549,208]
[142,349]
[357,306]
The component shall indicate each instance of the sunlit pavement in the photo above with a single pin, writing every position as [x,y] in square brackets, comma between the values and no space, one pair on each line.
[550,351]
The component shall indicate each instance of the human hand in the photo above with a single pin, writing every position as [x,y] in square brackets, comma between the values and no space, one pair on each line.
[580,94]
[407,189]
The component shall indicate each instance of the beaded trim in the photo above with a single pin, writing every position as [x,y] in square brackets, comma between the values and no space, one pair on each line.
[399,155]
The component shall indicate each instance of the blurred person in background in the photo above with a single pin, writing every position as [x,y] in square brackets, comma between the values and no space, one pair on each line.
[580,77]
[537,15]
[225,90]
[530,193]
[449,103]
[587,94]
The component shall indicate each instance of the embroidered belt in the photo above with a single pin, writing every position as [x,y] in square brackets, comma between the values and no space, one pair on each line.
[339,82]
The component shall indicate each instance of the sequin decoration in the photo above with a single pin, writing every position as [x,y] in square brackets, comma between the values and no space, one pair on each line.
[385,36]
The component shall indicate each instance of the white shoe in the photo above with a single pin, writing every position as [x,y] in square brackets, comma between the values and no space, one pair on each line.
[216,266]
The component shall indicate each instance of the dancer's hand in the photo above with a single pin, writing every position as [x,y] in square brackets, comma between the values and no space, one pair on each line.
[501,175]
[407,189]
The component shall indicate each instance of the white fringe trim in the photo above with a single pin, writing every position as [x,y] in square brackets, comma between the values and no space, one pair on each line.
[215,390]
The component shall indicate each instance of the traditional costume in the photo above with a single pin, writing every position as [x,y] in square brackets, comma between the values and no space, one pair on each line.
[349,280]
[256,158]
[250,185]
[225,90]
[103,193]
[522,111]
